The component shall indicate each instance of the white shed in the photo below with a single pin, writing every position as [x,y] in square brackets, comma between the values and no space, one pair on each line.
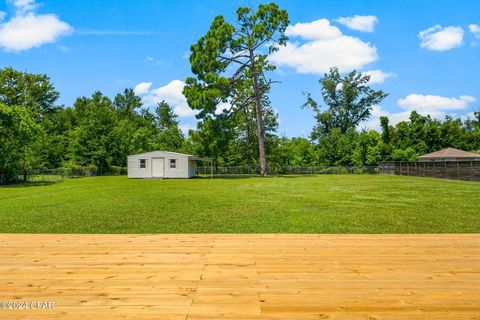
[161,164]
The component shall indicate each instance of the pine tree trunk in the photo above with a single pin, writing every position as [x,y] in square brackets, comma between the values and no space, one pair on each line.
[261,138]
[259,115]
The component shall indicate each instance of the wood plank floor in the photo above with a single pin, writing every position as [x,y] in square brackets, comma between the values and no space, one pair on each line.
[242,276]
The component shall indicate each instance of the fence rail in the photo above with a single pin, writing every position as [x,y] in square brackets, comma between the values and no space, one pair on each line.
[248,170]
[458,170]
[47,175]
[60,174]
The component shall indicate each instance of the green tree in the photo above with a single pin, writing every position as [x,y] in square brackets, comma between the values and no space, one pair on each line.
[348,101]
[18,132]
[212,138]
[384,124]
[472,127]
[34,91]
[230,64]
[170,137]
[297,152]
[165,116]
[127,102]
[336,148]
[53,141]
[92,138]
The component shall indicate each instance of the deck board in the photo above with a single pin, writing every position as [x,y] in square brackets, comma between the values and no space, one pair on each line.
[228,276]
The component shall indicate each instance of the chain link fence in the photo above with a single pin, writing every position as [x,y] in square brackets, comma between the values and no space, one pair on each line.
[61,174]
[298,170]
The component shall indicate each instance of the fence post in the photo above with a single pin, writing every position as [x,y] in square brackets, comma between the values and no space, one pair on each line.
[471,170]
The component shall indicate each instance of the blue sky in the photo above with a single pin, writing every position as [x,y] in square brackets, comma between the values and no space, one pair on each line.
[424,53]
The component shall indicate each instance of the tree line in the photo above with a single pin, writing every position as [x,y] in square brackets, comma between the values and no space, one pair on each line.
[229,67]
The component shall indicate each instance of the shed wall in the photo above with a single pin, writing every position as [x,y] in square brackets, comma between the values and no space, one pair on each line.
[192,168]
[184,168]
[134,170]
[181,170]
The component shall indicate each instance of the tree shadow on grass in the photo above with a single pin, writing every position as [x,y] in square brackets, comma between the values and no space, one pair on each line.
[29,184]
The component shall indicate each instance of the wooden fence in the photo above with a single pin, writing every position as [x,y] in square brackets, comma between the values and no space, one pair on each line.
[460,170]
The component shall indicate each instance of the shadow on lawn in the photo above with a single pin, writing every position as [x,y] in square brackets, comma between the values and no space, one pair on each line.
[30,184]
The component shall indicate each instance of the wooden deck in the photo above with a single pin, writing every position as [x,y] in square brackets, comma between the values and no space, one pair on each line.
[242,276]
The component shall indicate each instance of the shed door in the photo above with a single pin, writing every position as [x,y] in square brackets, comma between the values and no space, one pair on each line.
[157,167]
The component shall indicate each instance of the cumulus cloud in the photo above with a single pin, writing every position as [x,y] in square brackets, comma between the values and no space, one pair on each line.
[319,29]
[321,46]
[378,76]
[426,105]
[438,38]
[359,23]
[142,88]
[171,93]
[432,103]
[27,30]
[475,29]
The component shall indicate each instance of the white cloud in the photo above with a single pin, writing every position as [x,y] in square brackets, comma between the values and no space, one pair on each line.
[2,15]
[373,123]
[142,88]
[475,29]
[318,29]
[378,76]
[30,31]
[432,103]
[170,93]
[438,38]
[23,6]
[426,105]
[27,30]
[359,23]
[150,59]
[186,127]
[323,47]
[222,106]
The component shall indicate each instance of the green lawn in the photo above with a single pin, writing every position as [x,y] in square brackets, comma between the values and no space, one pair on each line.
[303,204]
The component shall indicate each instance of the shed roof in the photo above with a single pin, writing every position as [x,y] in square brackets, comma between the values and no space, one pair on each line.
[450,153]
[159,153]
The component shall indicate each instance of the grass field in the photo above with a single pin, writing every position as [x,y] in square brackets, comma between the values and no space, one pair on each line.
[297,204]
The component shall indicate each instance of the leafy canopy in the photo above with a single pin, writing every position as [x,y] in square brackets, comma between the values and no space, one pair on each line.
[224,59]
[34,91]
[348,101]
